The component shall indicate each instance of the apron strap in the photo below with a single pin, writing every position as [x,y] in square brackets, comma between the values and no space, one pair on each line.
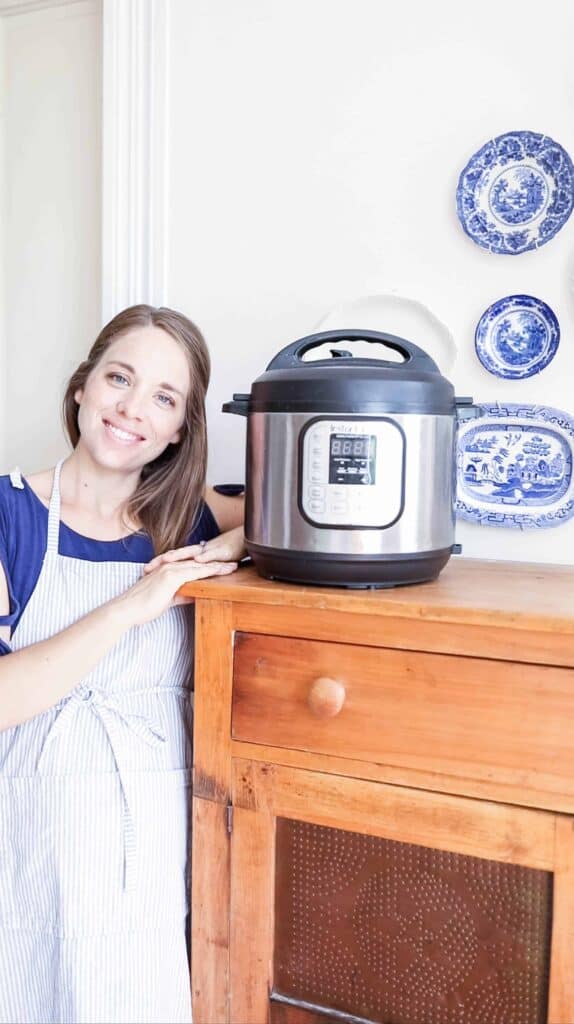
[54,512]
[113,718]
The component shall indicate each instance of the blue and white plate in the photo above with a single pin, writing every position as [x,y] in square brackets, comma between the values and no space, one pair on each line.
[516,192]
[515,467]
[517,337]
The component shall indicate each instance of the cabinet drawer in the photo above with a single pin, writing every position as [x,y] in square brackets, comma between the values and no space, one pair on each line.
[468,717]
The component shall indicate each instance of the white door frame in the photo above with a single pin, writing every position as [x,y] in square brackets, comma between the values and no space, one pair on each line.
[135,154]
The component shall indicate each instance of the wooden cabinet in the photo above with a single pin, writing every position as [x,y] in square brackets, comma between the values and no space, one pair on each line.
[384,800]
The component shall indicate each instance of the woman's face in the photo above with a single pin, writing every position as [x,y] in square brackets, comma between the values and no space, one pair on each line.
[133,403]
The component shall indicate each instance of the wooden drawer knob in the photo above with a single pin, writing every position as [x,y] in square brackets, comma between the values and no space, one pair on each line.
[326,697]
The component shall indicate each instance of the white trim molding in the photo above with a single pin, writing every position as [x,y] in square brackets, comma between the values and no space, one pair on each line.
[135,153]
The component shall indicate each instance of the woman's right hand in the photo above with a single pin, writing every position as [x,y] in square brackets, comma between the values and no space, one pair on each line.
[156,591]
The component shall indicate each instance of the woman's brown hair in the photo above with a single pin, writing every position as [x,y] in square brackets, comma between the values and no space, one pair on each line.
[169,494]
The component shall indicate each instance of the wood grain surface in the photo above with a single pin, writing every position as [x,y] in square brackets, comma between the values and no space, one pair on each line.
[460,717]
[521,595]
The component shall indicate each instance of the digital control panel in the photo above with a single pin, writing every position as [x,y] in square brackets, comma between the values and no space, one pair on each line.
[352,459]
[352,472]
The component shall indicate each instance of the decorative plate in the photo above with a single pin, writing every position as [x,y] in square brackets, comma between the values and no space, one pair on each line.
[517,337]
[515,467]
[516,192]
[395,314]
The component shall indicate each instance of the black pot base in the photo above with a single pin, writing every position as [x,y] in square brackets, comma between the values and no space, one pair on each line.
[353,572]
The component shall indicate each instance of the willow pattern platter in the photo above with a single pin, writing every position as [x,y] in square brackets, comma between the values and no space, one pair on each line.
[517,336]
[516,192]
[515,467]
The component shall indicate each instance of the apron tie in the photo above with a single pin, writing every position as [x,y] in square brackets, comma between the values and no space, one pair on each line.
[111,715]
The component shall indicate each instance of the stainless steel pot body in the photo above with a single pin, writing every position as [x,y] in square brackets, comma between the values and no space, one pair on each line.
[415,480]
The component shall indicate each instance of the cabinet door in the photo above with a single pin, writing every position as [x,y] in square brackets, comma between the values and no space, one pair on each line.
[358,901]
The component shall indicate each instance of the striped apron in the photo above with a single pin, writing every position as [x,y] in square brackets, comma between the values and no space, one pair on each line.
[93,818]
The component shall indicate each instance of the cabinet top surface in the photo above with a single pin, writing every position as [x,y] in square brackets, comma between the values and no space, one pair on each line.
[522,595]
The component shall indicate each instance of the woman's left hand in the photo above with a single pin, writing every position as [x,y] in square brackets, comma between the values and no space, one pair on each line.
[227,547]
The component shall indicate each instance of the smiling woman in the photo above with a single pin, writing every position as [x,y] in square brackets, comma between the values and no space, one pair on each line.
[146,375]
[95,752]
[144,404]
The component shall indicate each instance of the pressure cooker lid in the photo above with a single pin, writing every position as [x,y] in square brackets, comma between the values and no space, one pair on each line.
[349,384]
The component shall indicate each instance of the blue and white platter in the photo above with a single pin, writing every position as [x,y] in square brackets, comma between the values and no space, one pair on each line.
[517,337]
[515,467]
[516,192]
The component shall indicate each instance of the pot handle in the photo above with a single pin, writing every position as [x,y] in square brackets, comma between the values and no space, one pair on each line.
[290,357]
[239,406]
[466,409]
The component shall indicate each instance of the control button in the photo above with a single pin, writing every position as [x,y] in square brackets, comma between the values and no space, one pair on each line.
[317,506]
[339,505]
[316,478]
[317,492]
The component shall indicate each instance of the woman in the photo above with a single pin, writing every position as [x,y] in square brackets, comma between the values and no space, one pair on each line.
[94,688]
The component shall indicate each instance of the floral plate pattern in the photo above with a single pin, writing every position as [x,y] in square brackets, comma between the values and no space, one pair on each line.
[516,192]
[517,337]
[515,467]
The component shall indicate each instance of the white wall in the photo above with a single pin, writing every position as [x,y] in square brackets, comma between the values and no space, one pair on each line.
[315,147]
[3,388]
[51,100]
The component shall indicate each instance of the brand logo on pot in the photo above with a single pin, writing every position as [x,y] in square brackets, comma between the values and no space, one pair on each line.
[346,428]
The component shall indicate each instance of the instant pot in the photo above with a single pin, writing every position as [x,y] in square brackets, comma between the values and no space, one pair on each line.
[350,464]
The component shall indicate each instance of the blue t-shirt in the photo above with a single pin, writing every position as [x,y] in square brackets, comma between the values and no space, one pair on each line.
[24,535]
